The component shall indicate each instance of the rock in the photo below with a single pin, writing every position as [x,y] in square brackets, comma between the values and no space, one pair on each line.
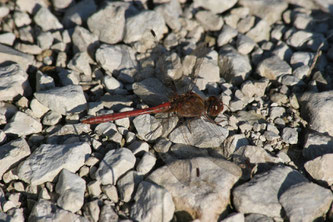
[244,44]
[226,35]
[46,210]
[235,67]
[7,38]
[270,11]
[38,168]
[139,147]
[299,59]
[21,19]
[117,58]
[235,217]
[84,41]
[109,22]
[152,202]
[306,40]
[171,12]
[321,168]
[290,135]
[298,201]
[94,188]
[127,184]
[92,210]
[10,54]
[233,143]
[78,13]
[110,130]
[11,153]
[13,82]
[214,6]
[146,163]
[317,144]
[209,21]
[44,82]
[61,4]
[259,32]
[115,163]
[273,67]
[111,83]
[63,100]
[147,20]
[199,133]
[258,217]
[206,180]
[261,194]
[71,189]
[80,64]
[46,20]
[18,125]
[245,24]
[111,192]
[108,214]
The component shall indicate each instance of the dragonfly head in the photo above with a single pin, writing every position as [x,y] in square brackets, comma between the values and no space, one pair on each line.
[214,106]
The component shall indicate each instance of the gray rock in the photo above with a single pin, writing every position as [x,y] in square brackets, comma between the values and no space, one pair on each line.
[259,32]
[245,24]
[114,164]
[46,20]
[13,82]
[146,163]
[298,201]
[299,59]
[261,194]
[214,6]
[209,21]
[273,67]
[61,4]
[109,22]
[240,65]
[38,110]
[152,202]
[22,124]
[244,44]
[283,51]
[79,13]
[290,135]
[11,153]
[43,81]
[317,144]
[306,40]
[118,58]
[38,168]
[28,48]
[45,40]
[270,11]
[84,41]
[316,109]
[46,210]
[235,217]
[63,100]
[206,180]
[226,34]
[68,77]
[147,20]
[111,192]
[94,188]
[233,143]
[139,147]
[71,189]
[321,168]
[254,89]
[171,12]
[108,214]
[127,184]
[80,63]
[7,38]
[276,111]
[110,130]
[258,217]
[199,133]
[92,210]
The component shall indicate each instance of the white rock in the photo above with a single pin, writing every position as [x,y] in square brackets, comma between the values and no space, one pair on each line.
[227,33]
[216,6]
[21,18]
[290,135]
[209,20]
[63,100]
[93,210]
[321,168]
[10,54]
[11,153]
[260,31]
[94,188]
[273,67]
[114,164]
[152,203]
[7,38]
[146,163]
[108,214]
[233,143]
[38,168]
[13,82]
[22,125]
[138,147]
[84,41]
[61,4]
[71,189]
[46,20]
[126,185]
[80,63]
[111,192]
[235,217]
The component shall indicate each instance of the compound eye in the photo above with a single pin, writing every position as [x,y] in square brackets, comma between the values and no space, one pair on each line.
[214,106]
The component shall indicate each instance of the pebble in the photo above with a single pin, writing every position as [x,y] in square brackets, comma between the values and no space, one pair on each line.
[320,168]
[209,20]
[7,38]
[21,19]
[108,214]
[63,100]
[78,13]
[215,6]
[13,82]
[244,44]
[19,122]
[37,168]
[127,184]
[260,32]
[298,201]
[233,143]
[210,188]
[261,194]
[152,202]
[84,41]
[11,153]
[115,163]
[108,23]
[290,135]
[80,64]
[245,24]
[317,144]
[46,20]
[226,35]
[136,26]
[61,4]
[273,67]
[111,192]
[94,188]
[146,163]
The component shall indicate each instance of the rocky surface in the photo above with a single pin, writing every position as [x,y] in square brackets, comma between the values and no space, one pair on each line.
[266,157]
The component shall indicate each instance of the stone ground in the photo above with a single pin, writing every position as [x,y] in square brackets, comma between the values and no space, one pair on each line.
[269,157]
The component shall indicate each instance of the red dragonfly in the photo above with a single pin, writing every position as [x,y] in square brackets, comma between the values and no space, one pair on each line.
[189,104]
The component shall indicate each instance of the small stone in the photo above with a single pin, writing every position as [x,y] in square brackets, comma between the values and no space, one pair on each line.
[126,185]
[111,83]
[146,163]
[111,192]
[209,20]
[259,32]
[61,4]
[317,144]
[154,198]
[18,123]
[290,135]
[245,24]
[110,130]
[84,41]
[299,59]
[46,20]
[226,35]
[7,38]
[273,67]
[94,188]
[235,217]
[80,63]
[69,156]
[321,168]
[233,143]
[93,210]
[138,147]
[44,82]
[215,6]
[244,44]
[171,12]
[21,19]
[37,108]
[115,164]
